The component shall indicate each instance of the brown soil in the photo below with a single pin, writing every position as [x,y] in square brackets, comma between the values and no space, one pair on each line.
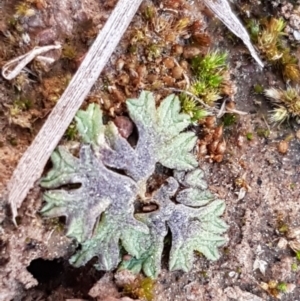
[259,184]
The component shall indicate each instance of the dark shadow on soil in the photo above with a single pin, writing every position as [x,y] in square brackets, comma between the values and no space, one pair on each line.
[58,274]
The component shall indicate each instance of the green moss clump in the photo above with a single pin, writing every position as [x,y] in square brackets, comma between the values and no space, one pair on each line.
[12,141]
[294,267]
[209,78]
[249,136]
[209,71]
[23,104]
[263,133]
[229,119]
[69,51]
[282,287]
[191,107]
[71,132]
[283,228]
[141,288]
[258,89]
[298,255]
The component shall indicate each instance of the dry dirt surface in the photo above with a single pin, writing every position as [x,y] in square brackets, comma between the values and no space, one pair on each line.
[257,177]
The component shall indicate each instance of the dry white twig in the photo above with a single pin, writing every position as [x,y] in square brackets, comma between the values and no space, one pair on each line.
[219,112]
[222,10]
[15,66]
[206,106]
[32,163]
[223,110]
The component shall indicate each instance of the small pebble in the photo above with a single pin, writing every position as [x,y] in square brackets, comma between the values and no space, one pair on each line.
[218,132]
[290,287]
[177,72]
[218,158]
[221,148]
[123,79]
[296,35]
[202,150]
[124,126]
[142,71]
[210,121]
[230,105]
[293,232]
[240,141]
[190,52]
[213,146]
[282,243]
[169,63]
[283,147]
[177,49]
[120,64]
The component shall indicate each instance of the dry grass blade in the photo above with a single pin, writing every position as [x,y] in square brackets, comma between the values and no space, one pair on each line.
[13,68]
[222,10]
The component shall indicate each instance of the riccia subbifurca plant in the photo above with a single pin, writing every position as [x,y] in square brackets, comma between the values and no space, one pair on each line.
[104,211]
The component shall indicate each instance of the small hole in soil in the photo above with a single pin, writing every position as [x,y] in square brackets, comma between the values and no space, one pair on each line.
[45,270]
[58,274]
